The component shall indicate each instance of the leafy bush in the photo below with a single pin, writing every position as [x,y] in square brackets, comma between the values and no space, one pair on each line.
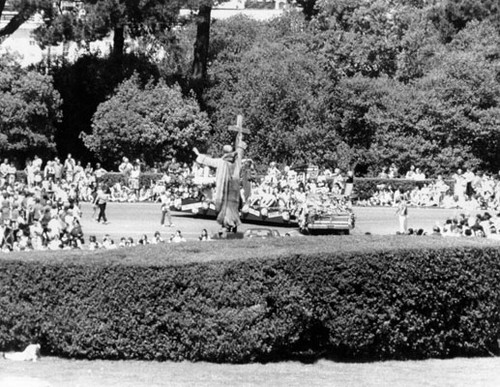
[29,111]
[152,122]
[303,299]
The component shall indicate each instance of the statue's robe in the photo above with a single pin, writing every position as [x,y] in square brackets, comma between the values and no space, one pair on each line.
[227,185]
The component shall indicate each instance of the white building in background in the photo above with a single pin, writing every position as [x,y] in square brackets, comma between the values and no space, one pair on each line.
[257,9]
[22,44]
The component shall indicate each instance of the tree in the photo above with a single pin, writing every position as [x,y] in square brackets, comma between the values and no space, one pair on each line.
[151,122]
[29,111]
[279,85]
[448,118]
[360,37]
[308,8]
[452,16]
[24,10]
[201,47]
[95,19]
[85,84]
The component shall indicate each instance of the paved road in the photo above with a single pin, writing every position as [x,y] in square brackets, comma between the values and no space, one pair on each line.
[135,219]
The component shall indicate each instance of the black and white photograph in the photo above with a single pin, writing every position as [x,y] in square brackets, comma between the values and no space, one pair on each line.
[249,193]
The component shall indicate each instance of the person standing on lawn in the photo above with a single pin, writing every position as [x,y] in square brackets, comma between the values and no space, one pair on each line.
[166,202]
[402,211]
[101,201]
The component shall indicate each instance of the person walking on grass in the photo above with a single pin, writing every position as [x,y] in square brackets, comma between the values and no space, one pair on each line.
[402,211]
[101,201]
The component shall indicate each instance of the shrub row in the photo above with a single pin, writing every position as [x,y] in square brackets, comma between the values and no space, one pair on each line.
[350,305]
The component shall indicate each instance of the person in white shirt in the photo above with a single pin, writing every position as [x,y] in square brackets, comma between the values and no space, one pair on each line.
[469,178]
[4,168]
[177,238]
[101,201]
[166,203]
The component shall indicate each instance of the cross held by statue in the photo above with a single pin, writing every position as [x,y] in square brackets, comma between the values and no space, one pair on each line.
[239,126]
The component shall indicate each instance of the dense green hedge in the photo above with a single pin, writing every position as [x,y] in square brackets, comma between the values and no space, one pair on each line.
[366,303]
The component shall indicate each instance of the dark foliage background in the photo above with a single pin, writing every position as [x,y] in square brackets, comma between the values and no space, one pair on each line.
[350,84]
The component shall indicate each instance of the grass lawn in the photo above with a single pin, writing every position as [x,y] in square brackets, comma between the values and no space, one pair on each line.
[64,373]
[221,250]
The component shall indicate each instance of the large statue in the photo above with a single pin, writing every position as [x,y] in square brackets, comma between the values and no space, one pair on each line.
[227,179]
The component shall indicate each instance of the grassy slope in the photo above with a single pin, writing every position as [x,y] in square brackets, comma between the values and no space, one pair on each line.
[198,252]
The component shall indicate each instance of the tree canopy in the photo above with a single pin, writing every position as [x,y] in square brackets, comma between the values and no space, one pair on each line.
[29,111]
[362,84]
[151,123]
[22,10]
[348,83]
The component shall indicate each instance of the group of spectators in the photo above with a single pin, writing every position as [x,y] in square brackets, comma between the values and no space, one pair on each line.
[469,190]
[31,220]
[481,225]
[287,190]
[43,211]
[109,244]
[295,193]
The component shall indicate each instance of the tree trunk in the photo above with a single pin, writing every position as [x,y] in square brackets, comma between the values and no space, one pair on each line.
[14,23]
[199,68]
[118,43]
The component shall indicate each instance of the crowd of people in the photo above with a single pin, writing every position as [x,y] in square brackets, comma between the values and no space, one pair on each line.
[469,190]
[480,225]
[32,220]
[42,211]
[108,242]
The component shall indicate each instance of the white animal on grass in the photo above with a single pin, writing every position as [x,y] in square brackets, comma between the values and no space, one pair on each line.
[31,353]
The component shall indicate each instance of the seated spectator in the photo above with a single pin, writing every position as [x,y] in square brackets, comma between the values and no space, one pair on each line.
[157,238]
[123,242]
[204,235]
[393,171]
[411,173]
[384,174]
[177,238]
[144,240]
[419,175]
[125,167]
[93,244]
